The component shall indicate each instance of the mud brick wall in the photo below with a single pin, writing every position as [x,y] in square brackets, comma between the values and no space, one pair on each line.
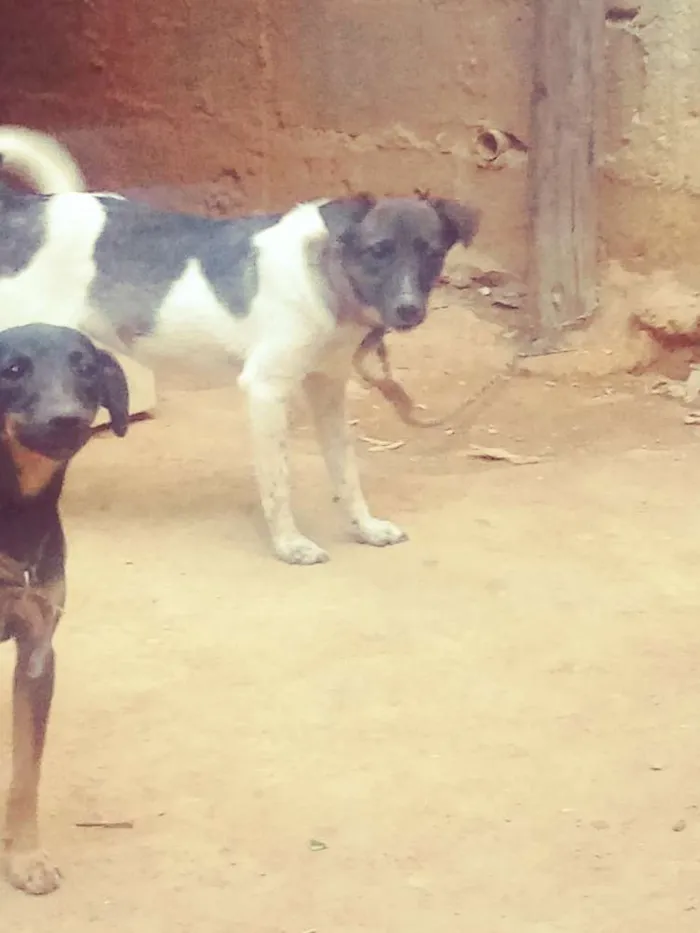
[229,105]
[225,105]
[651,176]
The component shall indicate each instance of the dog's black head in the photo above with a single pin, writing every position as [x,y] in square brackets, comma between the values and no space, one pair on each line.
[53,380]
[392,251]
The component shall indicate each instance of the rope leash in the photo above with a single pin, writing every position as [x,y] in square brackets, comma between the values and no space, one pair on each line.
[397,396]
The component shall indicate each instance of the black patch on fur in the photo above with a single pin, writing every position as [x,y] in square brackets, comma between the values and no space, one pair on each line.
[23,219]
[342,214]
[142,252]
[391,252]
[460,221]
[114,392]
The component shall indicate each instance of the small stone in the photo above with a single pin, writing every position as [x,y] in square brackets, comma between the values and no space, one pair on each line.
[679,826]
[600,824]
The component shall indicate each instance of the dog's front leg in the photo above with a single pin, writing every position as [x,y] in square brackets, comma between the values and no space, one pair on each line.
[28,867]
[268,403]
[326,395]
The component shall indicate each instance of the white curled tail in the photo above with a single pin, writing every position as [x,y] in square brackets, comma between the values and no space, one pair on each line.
[40,159]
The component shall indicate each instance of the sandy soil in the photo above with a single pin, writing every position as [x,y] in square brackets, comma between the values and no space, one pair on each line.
[491,728]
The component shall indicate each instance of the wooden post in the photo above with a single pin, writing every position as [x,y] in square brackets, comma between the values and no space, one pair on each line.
[568,54]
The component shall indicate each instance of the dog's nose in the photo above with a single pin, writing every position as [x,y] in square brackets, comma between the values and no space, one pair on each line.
[410,314]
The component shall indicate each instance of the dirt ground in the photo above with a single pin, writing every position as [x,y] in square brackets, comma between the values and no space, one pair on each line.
[490,728]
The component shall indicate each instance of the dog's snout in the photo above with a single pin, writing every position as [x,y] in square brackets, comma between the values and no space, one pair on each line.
[55,434]
[410,314]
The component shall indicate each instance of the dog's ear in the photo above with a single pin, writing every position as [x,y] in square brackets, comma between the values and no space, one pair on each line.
[342,214]
[114,392]
[460,222]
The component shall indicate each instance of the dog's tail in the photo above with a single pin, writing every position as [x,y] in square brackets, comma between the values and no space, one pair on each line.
[39,159]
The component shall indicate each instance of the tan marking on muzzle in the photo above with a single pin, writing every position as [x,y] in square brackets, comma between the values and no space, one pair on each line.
[34,471]
[33,609]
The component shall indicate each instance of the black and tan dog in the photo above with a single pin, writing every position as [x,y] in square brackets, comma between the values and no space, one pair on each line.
[52,382]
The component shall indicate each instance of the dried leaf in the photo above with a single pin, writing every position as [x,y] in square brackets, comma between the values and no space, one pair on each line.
[493,278]
[499,453]
[105,824]
[670,387]
[374,440]
[394,445]
[507,301]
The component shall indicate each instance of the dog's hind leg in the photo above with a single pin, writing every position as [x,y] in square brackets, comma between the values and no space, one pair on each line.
[28,867]
[326,395]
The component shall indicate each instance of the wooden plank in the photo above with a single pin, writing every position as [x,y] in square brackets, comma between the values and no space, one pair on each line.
[569,58]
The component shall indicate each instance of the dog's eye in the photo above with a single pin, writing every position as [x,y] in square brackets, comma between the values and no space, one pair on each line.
[382,250]
[15,370]
[85,369]
[82,367]
[431,253]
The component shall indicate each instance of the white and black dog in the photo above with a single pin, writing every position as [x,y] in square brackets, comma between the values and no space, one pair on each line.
[291,295]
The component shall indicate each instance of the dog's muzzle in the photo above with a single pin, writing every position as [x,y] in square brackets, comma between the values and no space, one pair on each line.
[57,438]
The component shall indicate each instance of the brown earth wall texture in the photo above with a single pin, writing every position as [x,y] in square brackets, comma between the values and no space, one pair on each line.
[228,105]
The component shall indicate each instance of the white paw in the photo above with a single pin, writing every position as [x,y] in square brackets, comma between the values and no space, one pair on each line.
[379,533]
[32,872]
[299,550]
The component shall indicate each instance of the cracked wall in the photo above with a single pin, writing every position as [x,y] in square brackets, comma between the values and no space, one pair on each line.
[226,105]
[231,104]
[160,96]
[390,98]
[651,172]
